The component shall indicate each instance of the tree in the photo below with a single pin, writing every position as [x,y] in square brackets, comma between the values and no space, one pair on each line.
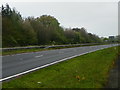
[49,30]
[15,31]
[42,30]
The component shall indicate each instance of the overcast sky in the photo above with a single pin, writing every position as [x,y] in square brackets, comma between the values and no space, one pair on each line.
[100,18]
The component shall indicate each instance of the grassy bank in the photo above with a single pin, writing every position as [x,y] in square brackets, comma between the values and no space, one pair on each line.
[10,52]
[86,71]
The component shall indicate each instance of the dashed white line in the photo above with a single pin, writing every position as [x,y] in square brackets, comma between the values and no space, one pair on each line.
[38,56]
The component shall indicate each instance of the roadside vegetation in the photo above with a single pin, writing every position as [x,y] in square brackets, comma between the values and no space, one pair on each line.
[86,71]
[43,30]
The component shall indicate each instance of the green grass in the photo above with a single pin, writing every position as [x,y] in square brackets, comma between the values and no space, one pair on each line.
[86,71]
[10,52]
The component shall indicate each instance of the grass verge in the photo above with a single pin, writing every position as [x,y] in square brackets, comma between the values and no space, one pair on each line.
[86,71]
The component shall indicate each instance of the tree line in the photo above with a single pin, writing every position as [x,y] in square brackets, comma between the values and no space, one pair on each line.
[43,30]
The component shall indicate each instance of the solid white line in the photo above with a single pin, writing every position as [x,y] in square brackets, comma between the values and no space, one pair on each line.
[9,77]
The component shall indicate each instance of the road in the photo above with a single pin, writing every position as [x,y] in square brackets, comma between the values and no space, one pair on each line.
[21,63]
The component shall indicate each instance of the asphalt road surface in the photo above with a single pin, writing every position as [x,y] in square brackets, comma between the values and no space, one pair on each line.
[15,64]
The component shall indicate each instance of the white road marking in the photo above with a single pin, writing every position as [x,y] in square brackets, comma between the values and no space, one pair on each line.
[38,56]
